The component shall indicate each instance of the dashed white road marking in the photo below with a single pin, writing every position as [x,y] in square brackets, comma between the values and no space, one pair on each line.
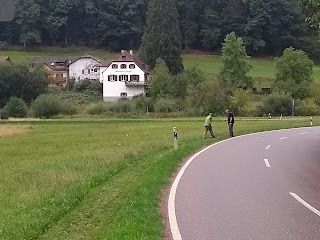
[266,161]
[283,138]
[176,235]
[304,203]
[267,147]
[303,133]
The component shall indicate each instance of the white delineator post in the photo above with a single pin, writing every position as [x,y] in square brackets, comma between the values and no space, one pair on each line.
[311,122]
[175,139]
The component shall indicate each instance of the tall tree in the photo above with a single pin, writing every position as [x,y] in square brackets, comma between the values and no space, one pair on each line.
[27,21]
[235,64]
[313,11]
[161,38]
[294,73]
[258,20]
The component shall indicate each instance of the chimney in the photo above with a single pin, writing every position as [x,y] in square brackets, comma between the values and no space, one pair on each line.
[131,52]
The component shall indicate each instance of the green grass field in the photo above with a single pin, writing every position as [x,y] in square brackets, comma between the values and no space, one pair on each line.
[263,70]
[98,178]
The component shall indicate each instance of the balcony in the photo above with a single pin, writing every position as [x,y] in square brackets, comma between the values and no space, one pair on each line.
[133,84]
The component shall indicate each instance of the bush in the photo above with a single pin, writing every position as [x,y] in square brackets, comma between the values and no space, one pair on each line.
[238,102]
[166,105]
[308,107]
[98,108]
[4,113]
[121,107]
[205,97]
[47,106]
[277,104]
[16,107]
[69,109]
[143,103]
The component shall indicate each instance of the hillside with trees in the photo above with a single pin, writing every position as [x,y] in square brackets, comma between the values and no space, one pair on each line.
[267,26]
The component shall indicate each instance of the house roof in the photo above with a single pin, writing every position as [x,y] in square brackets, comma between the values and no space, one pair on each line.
[87,56]
[105,64]
[55,63]
[125,56]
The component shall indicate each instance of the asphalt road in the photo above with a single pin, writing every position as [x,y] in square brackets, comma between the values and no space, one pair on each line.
[259,187]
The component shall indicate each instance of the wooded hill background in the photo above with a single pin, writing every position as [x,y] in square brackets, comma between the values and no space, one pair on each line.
[267,26]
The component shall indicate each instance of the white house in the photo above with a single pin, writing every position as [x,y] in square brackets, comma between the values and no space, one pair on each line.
[86,67]
[124,77]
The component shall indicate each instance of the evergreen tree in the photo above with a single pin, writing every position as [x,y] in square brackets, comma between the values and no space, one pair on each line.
[235,64]
[162,37]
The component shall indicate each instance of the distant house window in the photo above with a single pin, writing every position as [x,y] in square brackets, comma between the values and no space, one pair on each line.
[123,94]
[123,66]
[85,71]
[134,78]
[57,75]
[114,66]
[96,70]
[123,78]
[132,66]
[112,78]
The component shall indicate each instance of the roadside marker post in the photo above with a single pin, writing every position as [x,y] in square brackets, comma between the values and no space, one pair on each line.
[175,139]
[311,122]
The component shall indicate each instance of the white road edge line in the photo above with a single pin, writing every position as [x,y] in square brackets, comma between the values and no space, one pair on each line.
[266,161]
[172,195]
[304,203]
[267,147]
[283,138]
[304,133]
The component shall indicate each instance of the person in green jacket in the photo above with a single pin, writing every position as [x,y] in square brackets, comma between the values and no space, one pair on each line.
[208,126]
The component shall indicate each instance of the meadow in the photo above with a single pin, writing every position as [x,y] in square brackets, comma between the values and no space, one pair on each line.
[263,69]
[97,178]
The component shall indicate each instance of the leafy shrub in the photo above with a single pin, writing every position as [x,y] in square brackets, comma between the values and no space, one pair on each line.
[205,97]
[98,108]
[238,101]
[4,113]
[121,107]
[47,106]
[166,105]
[143,104]
[308,107]
[16,107]
[277,104]
[69,109]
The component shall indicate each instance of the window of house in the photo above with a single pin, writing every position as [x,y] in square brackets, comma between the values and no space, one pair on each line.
[132,66]
[114,66]
[123,78]
[123,66]
[134,78]
[57,75]
[112,78]
[82,71]
[96,70]
[123,94]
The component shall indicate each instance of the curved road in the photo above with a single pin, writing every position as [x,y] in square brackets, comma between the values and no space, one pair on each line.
[262,186]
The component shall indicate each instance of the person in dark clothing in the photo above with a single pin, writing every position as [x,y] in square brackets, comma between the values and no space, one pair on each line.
[230,122]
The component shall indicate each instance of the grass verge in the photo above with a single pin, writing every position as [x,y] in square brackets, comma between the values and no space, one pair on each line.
[99,179]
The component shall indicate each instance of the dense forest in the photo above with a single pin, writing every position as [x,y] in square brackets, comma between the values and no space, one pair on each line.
[267,26]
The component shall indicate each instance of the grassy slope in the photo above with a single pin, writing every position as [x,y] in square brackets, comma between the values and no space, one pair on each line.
[96,179]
